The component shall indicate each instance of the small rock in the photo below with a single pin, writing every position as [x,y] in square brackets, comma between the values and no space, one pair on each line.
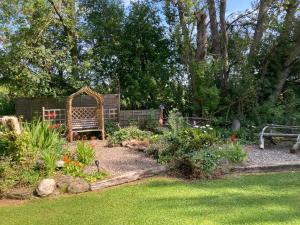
[59,164]
[46,187]
[78,185]
[224,162]
[40,164]
[20,193]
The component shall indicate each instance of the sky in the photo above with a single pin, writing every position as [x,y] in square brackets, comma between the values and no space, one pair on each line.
[232,5]
[238,5]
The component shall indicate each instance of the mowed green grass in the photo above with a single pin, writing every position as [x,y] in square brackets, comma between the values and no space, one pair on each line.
[249,199]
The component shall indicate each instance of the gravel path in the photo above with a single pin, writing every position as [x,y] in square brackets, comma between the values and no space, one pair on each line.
[270,155]
[120,160]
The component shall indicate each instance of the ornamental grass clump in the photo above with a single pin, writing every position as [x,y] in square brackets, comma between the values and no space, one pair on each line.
[85,152]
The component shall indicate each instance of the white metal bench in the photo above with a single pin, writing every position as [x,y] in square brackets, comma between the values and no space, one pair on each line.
[272,130]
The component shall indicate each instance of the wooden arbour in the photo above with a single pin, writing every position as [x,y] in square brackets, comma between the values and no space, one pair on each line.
[85,119]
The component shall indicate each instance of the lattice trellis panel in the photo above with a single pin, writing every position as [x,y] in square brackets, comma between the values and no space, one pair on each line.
[79,113]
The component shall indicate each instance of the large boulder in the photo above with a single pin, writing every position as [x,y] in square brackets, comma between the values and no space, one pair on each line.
[79,185]
[12,123]
[63,181]
[46,187]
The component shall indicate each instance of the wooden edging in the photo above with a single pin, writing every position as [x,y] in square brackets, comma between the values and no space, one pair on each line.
[128,177]
[276,167]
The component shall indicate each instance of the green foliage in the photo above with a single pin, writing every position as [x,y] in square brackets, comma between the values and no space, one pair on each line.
[7,106]
[189,151]
[205,161]
[93,177]
[47,142]
[42,136]
[234,153]
[176,122]
[111,127]
[73,168]
[151,123]
[85,152]
[17,147]
[128,133]
[14,174]
[206,93]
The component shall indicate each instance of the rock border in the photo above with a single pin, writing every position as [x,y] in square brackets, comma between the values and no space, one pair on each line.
[128,177]
[274,167]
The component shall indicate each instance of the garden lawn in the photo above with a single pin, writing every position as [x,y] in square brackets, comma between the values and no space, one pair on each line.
[250,199]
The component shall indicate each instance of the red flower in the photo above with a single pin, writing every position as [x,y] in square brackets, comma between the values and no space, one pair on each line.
[66,159]
[233,138]
[76,163]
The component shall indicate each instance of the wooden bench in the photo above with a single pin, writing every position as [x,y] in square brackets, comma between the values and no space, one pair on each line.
[272,127]
[85,125]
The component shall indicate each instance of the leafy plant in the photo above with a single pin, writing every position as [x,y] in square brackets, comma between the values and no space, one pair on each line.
[128,133]
[205,161]
[73,168]
[111,127]
[42,136]
[176,122]
[17,146]
[47,142]
[234,153]
[93,177]
[85,152]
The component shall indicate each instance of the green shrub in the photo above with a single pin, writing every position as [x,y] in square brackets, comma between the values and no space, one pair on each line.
[189,151]
[42,136]
[111,127]
[176,122]
[205,161]
[7,105]
[85,152]
[14,174]
[17,147]
[234,153]
[128,133]
[47,142]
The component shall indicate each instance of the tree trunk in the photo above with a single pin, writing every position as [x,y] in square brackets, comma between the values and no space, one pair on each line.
[224,46]
[186,42]
[214,28]
[285,72]
[201,50]
[260,25]
[283,36]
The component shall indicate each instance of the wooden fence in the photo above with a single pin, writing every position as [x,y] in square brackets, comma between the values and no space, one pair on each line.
[29,108]
[125,118]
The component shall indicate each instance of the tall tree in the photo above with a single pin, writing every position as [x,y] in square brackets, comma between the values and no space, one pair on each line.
[260,27]
[214,28]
